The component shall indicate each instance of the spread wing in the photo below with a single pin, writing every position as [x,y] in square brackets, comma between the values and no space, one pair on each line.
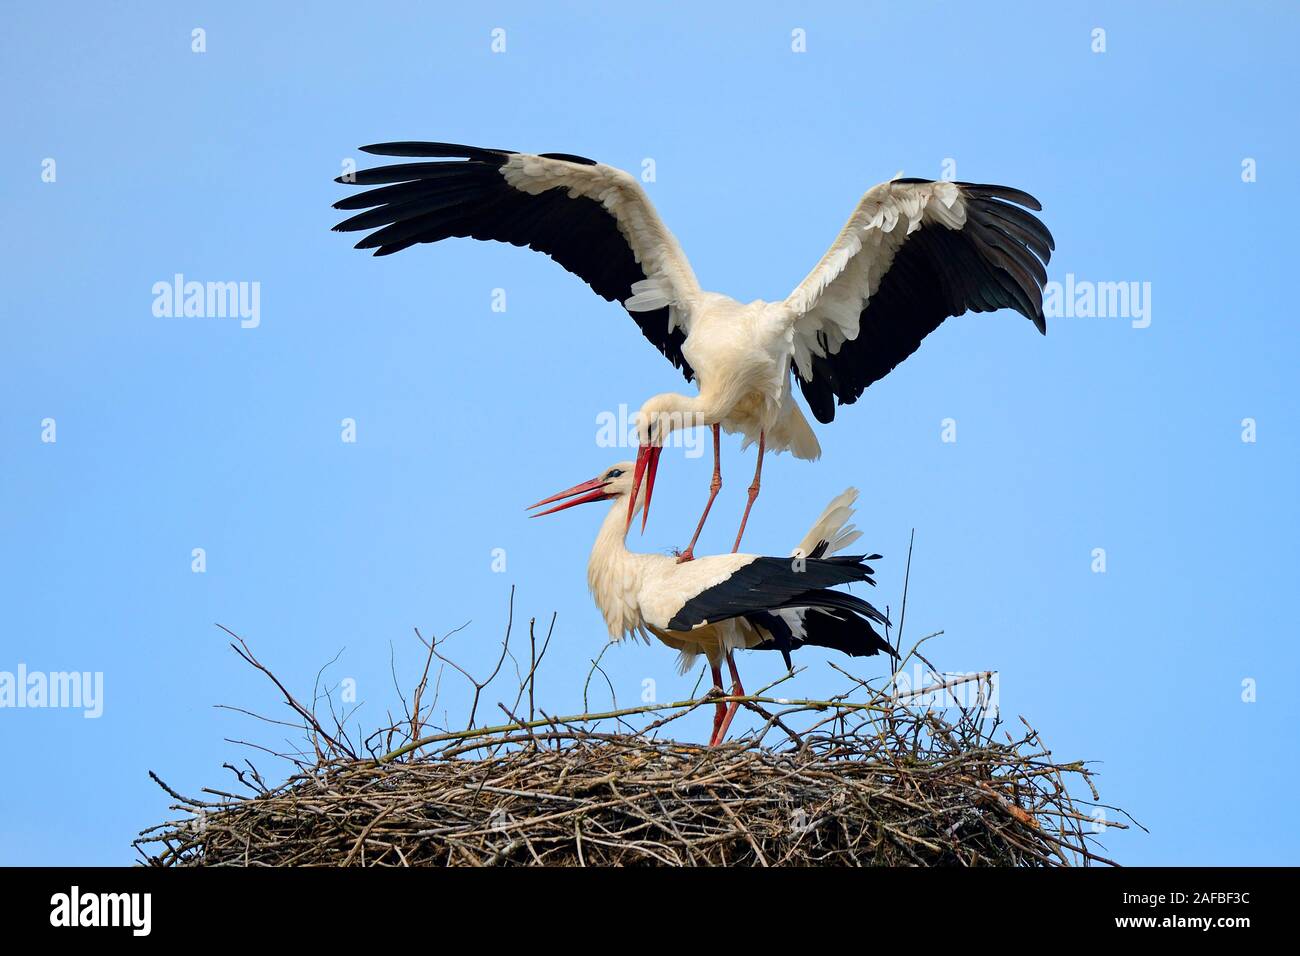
[913,253]
[593,219]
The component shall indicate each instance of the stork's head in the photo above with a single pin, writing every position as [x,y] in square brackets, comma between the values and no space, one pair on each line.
[662,415]
[658,418]
[613,482]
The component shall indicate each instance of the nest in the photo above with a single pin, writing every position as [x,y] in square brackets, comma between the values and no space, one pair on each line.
[870,777]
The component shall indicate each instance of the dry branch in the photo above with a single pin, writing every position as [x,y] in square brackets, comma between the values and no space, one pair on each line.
[867,777]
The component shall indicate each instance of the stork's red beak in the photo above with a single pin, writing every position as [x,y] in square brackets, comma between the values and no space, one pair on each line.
[595,491]
[647,463]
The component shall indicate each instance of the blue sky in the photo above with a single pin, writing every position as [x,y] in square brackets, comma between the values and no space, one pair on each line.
[183,433]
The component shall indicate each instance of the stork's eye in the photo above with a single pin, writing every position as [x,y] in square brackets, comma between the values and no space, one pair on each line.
[613,473]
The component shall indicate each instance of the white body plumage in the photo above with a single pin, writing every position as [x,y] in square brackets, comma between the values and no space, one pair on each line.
[639,594]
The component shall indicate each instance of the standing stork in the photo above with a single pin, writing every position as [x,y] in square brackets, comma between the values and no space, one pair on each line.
[913,253]
[721,602]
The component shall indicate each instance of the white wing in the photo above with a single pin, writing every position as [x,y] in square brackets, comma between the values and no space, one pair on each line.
[913,253]
[593,219]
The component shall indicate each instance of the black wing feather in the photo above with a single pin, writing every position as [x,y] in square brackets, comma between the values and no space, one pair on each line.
[760,589]
[467,197]
[769,584]
[847,633]
[995,261]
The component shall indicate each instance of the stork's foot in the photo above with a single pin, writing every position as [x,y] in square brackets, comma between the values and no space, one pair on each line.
[719,715]
[720,712]
[721,728]
[753,491]
[714,486]
[737,690]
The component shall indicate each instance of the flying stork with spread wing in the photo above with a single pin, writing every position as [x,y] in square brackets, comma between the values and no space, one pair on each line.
[913,253]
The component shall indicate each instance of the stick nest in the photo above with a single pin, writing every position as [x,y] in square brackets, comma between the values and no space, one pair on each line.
[870,777]
[611,800]
[891,787]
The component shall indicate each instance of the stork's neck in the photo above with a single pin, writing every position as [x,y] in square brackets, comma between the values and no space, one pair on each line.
[611,541]
[612,572]
[677,411]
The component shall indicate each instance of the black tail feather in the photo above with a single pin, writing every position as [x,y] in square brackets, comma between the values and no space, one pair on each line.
[847,633]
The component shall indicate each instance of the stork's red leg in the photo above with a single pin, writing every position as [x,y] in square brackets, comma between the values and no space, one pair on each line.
[721,712]
[736,691]
[753,491]
[714,487]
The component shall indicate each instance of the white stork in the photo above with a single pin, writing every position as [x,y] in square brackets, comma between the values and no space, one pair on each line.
[913,253]
[718,603]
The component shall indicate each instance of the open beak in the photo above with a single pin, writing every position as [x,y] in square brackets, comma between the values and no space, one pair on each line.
[647,463]
[593,490]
